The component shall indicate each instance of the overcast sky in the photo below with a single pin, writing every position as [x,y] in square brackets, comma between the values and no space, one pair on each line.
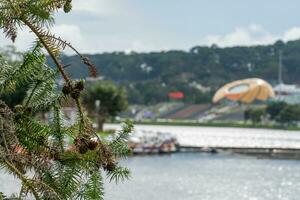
[97,26]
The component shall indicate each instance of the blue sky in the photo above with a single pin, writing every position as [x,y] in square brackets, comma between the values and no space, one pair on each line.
[97,26]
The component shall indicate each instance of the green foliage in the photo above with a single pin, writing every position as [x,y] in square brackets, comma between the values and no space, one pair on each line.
[290,114]
[255,115]
[112,99]
[29,145]
[174,70]
[12,76]
[284,113]
[274,108]
[13,57]
[93,188]
[2,196]
[118,144]
[15,98]
[280,112]
[120,174]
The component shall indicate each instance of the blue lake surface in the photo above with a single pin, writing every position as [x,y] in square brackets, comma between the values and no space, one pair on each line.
[200,176]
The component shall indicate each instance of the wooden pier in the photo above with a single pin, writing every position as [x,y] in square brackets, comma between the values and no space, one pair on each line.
[284,153]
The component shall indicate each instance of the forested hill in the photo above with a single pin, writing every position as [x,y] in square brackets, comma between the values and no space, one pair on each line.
[150,76]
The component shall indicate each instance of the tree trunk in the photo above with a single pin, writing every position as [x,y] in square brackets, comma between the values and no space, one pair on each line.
[100,121]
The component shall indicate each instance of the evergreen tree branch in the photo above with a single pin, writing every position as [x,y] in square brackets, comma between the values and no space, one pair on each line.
[85,60]
[24,180]
[29,145]
[59,66]
[57,123]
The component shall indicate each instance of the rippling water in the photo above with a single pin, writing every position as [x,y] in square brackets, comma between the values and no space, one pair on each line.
[225,137]
[198,176]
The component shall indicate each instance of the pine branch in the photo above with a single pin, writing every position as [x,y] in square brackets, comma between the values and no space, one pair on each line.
[123,135]
[119,174]
[14,76]
[42,95]
[61,180]
[63,44]
[93,188]
[7,129]
[33,135]
[51,49]
[26,182]
[58,128]
[27,144]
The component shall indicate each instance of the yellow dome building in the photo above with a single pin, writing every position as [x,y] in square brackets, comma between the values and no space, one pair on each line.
[246,91]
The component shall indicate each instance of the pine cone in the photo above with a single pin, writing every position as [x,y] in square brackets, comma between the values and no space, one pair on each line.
[111,165]
[67,89]
[92,145]
[79,85]
[28,110]
[75,94]
[107,158]
[81,145]
[68,6]
[83,148]
[18,108]
[17,117]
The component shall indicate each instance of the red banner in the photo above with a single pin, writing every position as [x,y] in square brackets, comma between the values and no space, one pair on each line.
[176,95]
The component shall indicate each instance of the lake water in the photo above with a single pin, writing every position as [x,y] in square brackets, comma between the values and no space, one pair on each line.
[198,176]
[201,176]
[224,137]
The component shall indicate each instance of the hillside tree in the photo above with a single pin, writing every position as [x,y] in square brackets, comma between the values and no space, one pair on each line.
[111,99]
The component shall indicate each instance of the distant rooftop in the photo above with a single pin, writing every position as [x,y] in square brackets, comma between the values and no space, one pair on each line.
[287,93]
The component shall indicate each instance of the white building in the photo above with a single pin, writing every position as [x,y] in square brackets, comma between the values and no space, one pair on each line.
[284,92]
[287,93]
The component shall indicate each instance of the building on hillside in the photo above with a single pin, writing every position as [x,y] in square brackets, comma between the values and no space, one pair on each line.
[287,93]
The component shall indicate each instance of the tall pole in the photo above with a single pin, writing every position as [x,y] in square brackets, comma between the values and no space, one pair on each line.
[280,81]
[97,105]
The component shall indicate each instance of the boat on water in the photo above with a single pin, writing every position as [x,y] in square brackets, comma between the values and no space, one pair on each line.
[149,142]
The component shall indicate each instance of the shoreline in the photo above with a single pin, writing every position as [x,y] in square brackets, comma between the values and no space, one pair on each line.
[212,124]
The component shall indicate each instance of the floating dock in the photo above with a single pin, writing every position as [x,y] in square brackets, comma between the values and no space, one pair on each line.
[258,142]
[284,153]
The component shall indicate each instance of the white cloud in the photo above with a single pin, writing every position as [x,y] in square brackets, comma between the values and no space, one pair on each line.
[97,7]
[256,28]
[24,40]
[144,46]
[70,33]
[254,34]
[95,42]
[291,34]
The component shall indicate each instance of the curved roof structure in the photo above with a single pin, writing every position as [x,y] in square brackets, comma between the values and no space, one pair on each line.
[246,91]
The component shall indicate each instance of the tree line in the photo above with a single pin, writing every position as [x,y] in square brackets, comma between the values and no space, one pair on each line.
[280,112]
[149,77]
